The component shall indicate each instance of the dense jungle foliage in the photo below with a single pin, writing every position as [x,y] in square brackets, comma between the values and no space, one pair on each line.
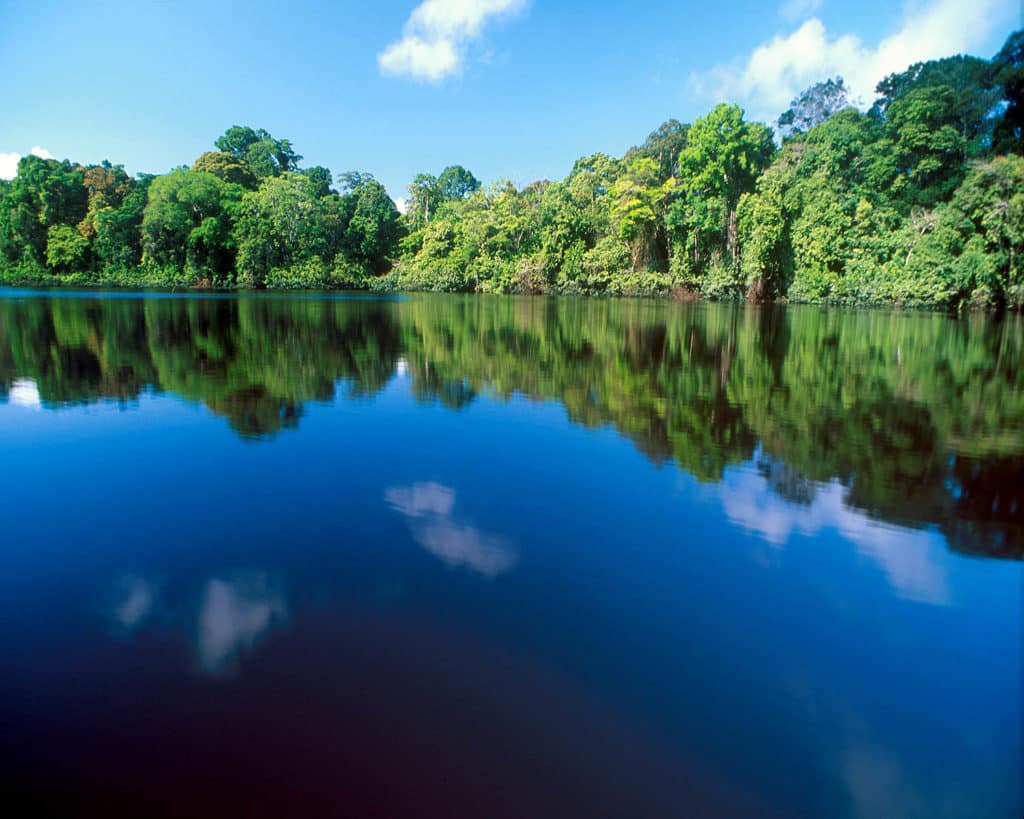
[917,201]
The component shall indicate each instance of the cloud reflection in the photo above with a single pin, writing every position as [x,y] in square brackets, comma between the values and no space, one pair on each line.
[428,509]
[136,599]
[233,616]
[24,392]
[881,784]
[910,558]
[421,498]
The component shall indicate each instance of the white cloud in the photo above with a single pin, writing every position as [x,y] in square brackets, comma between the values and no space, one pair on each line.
[420,59]
[9,161]
[9,165]
[435,36]
[428,508]
[793,10]
[765,81]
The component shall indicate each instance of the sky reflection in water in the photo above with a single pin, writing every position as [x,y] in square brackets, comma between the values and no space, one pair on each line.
[481,557]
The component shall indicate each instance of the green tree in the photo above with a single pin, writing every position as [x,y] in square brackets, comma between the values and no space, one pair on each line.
[283,223]
[723,158]
[44,193]
[187,222]
[817,226]
[987,212]
[663,145]
[424,197]
[639,199]
[973,94]
[372,234]
[107,187]
[227,166]
[66,248]
[1008,69]
[351,181]
[118,240]
[928,148]
[455,182]
[265,155]
[321,178]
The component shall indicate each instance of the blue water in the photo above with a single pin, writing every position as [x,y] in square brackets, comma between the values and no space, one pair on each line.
[442,557]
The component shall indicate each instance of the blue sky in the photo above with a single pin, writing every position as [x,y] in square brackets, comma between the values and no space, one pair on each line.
[508,88]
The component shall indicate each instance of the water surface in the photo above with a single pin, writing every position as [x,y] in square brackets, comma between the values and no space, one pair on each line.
[508,557]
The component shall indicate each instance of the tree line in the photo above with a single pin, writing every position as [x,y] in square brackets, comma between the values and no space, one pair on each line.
[917,201]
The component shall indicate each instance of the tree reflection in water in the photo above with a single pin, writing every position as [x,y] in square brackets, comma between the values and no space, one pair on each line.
[918,418]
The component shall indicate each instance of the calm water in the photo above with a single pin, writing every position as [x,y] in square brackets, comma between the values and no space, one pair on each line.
[508,557]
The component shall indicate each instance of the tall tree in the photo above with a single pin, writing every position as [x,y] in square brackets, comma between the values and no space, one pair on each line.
[107,186]
[284,223]
[187,222]
[928,147]
[455,182]
[973,96]
[351,181]
[118,241]
[44,193]
[639,199]
[321,178]
[814,105]
[265,155]
[375,227]
[1008,67]
[424,197]
[227,166]
[722,160]
[663,145]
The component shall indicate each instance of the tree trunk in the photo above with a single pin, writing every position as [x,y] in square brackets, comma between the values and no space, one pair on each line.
[731,235]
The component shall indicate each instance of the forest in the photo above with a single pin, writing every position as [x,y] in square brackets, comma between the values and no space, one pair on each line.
[916,201]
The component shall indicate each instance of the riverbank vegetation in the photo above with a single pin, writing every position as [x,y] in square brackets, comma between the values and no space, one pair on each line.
[917,201]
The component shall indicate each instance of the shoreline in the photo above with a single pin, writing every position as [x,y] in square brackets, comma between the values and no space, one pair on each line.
[686,297]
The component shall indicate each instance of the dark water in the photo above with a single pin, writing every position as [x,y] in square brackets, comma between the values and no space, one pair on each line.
[500,557]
